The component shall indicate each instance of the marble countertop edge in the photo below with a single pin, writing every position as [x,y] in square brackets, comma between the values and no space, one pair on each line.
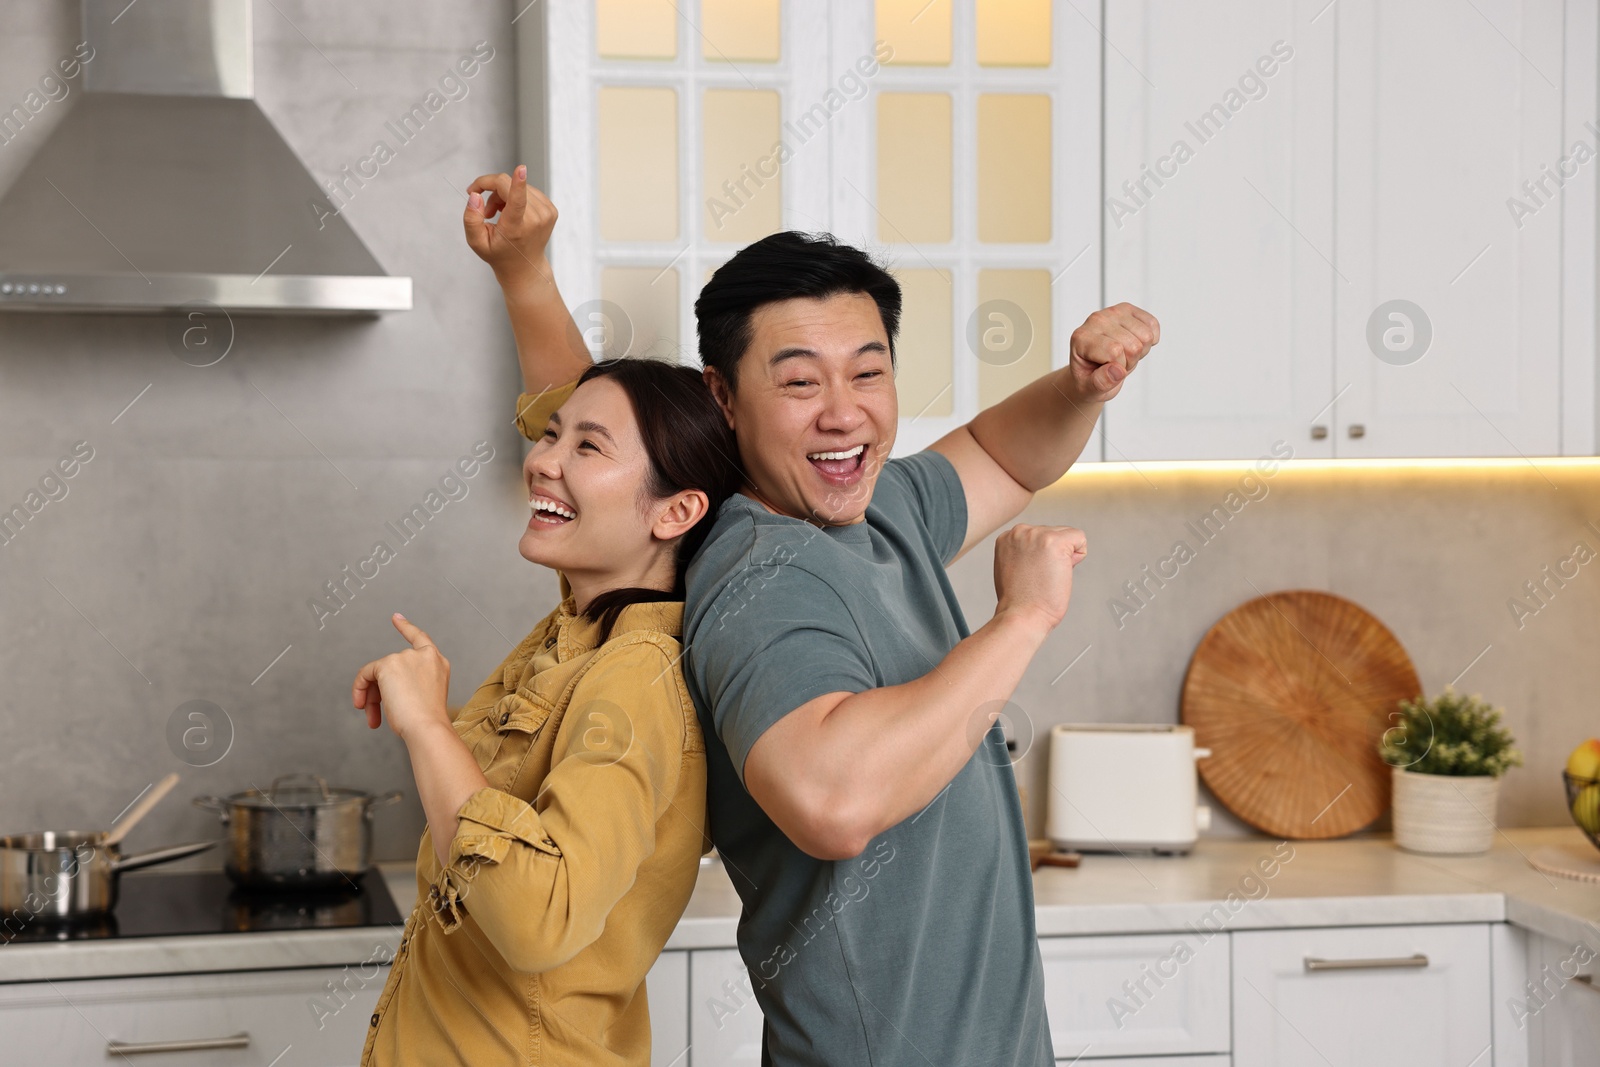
[1224,885]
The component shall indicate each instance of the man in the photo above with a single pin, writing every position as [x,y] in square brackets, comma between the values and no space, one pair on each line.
[860,792]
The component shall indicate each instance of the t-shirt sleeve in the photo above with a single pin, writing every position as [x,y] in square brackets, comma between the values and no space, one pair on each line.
[776,637]
[534,409]
[934,489]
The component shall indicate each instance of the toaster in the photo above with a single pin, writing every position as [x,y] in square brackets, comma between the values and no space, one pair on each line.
[1124,787]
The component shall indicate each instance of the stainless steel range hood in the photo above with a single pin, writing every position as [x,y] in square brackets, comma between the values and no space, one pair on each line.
[165,184]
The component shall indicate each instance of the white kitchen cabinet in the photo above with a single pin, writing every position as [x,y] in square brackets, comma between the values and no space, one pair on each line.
[1444,110]
[725,1022]
[667,987]
[1559,1007]
[1380,161]
[1395,996]
[1145,995]
[1219,219]
[289,1018]
[312,1018]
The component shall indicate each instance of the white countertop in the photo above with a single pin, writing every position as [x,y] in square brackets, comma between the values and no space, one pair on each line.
[1362,881]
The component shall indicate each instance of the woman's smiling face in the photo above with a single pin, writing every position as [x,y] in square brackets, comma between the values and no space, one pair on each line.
[587,479]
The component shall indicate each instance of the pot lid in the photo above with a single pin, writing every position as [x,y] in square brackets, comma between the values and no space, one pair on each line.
[298,791]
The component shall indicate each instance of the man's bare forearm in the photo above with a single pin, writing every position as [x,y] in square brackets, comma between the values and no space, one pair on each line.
[550,349]
[1039,431]
[885,754]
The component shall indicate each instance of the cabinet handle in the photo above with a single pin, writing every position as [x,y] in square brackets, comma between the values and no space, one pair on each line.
[1381,963]
[1358,429]
[194,1044]
[1588,980]
[1318,432]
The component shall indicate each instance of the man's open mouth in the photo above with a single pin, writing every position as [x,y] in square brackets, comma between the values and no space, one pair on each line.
[838,463]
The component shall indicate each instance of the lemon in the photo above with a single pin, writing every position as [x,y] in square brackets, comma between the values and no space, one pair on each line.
[1585,760]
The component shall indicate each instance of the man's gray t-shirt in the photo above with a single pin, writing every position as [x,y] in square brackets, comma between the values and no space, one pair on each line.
[922,950]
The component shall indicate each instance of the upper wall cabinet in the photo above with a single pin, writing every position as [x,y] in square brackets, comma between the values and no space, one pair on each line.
[957,140]
[1364,226]
[1219,220]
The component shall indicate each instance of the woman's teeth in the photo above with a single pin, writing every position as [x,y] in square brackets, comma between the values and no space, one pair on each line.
[851,454]
[546,506]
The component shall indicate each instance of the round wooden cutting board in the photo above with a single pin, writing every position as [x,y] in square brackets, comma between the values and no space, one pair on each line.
[1292,692]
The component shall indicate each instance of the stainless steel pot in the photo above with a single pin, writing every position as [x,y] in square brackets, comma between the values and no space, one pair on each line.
[68,875]
[298,835]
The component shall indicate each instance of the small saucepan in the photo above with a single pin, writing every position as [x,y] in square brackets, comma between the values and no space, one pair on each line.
[62,876]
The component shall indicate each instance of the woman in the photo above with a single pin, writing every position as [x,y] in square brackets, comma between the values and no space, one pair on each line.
[566,800]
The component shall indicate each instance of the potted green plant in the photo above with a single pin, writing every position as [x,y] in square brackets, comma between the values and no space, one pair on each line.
[1448,755]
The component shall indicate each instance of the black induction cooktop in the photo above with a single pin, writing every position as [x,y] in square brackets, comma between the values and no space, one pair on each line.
[168,904]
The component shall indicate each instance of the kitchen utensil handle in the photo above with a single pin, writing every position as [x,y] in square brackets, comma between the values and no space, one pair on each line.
[193,1044]
[160,855]
[140,809]
[386,798]
[1380,963]
[322,783]
[216,804]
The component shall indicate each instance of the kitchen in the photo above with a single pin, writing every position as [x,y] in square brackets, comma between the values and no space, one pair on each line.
[205,474]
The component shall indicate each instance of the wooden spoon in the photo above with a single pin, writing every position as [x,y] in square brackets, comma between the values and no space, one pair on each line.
[140,809]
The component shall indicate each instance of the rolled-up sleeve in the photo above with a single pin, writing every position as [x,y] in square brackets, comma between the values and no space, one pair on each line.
[540,878]
[534,409]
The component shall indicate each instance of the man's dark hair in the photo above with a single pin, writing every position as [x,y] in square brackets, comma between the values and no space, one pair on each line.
[783,266]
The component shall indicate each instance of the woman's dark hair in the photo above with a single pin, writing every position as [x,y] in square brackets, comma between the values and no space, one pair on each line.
[782,266]
[690,447]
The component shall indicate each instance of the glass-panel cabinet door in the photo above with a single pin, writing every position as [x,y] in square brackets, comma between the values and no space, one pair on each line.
[678,131]
[957,140]
[974,172]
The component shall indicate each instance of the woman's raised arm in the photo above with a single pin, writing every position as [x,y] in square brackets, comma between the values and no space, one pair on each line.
[550,349]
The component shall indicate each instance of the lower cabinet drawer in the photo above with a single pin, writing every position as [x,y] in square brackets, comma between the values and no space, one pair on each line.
[667,989]
[1378,996]
[1145,995]
[297,1018]
[725,1022]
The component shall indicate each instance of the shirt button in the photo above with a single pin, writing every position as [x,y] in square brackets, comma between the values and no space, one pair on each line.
[374,1018]
[505,717]
[549,640]
[433,891]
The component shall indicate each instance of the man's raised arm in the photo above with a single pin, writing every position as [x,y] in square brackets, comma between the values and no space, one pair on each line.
[1024,443]
[843,767]
[550,348]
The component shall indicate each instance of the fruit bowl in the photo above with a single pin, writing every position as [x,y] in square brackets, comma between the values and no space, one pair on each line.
[1583,804]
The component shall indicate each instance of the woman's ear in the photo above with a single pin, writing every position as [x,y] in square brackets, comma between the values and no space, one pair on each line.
[680,514]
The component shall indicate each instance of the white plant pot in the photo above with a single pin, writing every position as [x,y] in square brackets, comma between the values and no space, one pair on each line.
[1444,813]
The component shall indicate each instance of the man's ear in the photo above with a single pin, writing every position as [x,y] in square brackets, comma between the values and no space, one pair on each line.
[680,514]
[720,392]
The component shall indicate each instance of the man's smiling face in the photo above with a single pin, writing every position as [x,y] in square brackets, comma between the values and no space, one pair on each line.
[815,410]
